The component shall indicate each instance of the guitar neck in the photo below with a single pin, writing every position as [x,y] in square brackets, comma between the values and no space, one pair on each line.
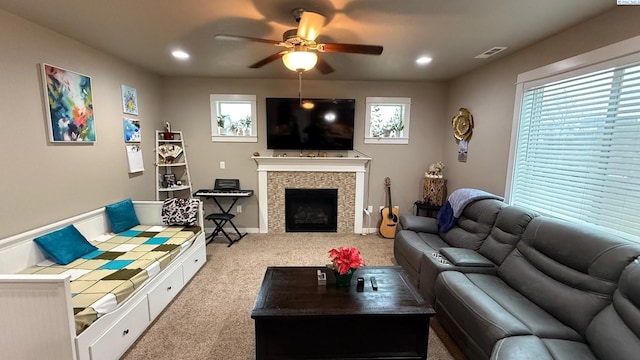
[390,215]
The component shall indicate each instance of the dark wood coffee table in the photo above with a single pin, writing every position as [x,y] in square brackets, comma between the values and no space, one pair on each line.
[295,318]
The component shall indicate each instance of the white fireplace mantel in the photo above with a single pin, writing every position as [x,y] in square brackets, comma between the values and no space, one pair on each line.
[355,164]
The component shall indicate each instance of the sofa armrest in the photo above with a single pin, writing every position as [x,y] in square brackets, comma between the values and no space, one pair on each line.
[419,223]
[465,257]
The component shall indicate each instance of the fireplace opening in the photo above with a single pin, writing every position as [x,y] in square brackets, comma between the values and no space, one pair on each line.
[311,210]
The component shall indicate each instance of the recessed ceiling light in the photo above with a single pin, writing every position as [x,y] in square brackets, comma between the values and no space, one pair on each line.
[423,60]
[179,54]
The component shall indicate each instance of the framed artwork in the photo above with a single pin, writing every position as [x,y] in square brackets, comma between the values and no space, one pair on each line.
[168,180]
[69,105]
[129,100]
[131,129]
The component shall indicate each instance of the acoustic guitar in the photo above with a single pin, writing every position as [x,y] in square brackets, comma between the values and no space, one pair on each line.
[389,215]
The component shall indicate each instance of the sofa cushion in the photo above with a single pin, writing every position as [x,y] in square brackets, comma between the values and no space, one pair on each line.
[65,245]
[615,332]
[532,347]
[431,266]
[506,232]
[580,266]
[474,224]
[488,310]
[122,216]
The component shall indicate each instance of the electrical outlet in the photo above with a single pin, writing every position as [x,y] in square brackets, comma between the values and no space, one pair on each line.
[239,209]
[222,165]
[396,207]
[381,207]
[370,208]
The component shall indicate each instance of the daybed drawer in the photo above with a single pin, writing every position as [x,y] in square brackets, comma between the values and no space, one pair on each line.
[164,292]
[120,336]
[194,262]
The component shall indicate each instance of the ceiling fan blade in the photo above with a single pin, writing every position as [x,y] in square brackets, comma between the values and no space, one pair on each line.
[351,48]
[324,66]
[268,59]
[245,38]
[310,25]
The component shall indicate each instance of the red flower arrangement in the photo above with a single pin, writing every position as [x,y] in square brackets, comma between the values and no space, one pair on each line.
[345,258]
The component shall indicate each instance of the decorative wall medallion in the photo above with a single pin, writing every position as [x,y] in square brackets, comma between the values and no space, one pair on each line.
[462,125]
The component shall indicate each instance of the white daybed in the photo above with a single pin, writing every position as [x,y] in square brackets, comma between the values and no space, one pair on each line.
[37,318]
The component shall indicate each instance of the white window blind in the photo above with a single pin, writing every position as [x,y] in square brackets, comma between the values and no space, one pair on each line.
[578,150]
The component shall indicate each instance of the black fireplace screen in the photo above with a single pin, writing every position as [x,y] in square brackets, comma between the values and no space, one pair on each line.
[311,210]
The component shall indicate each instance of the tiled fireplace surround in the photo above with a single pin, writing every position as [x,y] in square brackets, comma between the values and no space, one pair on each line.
[275,174]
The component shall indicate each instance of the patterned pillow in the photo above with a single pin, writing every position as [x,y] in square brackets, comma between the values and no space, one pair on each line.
[64,245]
[180,211]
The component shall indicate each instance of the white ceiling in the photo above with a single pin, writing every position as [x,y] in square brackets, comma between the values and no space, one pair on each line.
[452,32]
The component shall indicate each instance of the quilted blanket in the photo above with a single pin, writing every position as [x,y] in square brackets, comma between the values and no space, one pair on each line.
[103,279]
[452,208]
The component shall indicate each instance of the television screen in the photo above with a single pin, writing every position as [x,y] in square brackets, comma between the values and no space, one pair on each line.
[328,125]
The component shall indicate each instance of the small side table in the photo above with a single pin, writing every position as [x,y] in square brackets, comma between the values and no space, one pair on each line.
[430,210]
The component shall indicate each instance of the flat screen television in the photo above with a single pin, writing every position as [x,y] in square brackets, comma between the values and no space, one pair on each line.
[326,126]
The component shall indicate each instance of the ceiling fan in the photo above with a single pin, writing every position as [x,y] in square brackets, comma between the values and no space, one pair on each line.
[300,46]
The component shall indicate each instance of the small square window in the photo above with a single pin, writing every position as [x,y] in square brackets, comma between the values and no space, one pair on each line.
[233,118]
[387,120]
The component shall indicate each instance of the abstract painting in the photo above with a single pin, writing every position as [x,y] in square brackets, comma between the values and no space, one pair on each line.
[132,130]
[69,105]
[129,100]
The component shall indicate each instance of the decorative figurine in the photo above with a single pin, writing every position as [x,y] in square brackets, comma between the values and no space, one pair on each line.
[168,135]
[435,170]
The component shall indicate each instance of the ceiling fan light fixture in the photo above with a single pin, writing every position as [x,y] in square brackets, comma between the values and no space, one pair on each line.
[307,104]
[300,60]
[310,25]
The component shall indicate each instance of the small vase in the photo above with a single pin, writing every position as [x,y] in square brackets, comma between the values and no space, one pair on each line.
[343,280]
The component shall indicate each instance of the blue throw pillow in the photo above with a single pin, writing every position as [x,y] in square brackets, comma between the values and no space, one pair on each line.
[64,245]
[122,216]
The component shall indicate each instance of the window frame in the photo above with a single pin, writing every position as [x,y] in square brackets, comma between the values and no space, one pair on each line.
[403,139]
[618,54]
[215,99]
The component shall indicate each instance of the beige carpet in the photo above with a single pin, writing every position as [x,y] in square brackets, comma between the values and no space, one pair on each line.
[211,317]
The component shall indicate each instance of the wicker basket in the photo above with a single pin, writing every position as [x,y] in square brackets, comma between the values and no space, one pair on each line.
[434,191]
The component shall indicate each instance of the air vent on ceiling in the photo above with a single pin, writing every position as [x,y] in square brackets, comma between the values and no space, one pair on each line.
[489,53]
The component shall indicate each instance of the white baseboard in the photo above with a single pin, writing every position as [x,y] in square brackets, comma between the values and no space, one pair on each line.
[369,230]
[230,230]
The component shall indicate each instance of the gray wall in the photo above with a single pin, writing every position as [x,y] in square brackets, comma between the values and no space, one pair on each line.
[186,105]
[489,93]
[43,182]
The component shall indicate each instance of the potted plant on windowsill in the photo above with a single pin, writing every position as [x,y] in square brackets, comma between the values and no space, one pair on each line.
[221,128]
[243,125]
[396,128]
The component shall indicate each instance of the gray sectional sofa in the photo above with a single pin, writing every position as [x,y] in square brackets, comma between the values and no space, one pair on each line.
[509,284]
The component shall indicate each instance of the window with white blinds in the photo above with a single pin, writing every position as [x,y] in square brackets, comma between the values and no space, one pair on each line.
[578,150]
